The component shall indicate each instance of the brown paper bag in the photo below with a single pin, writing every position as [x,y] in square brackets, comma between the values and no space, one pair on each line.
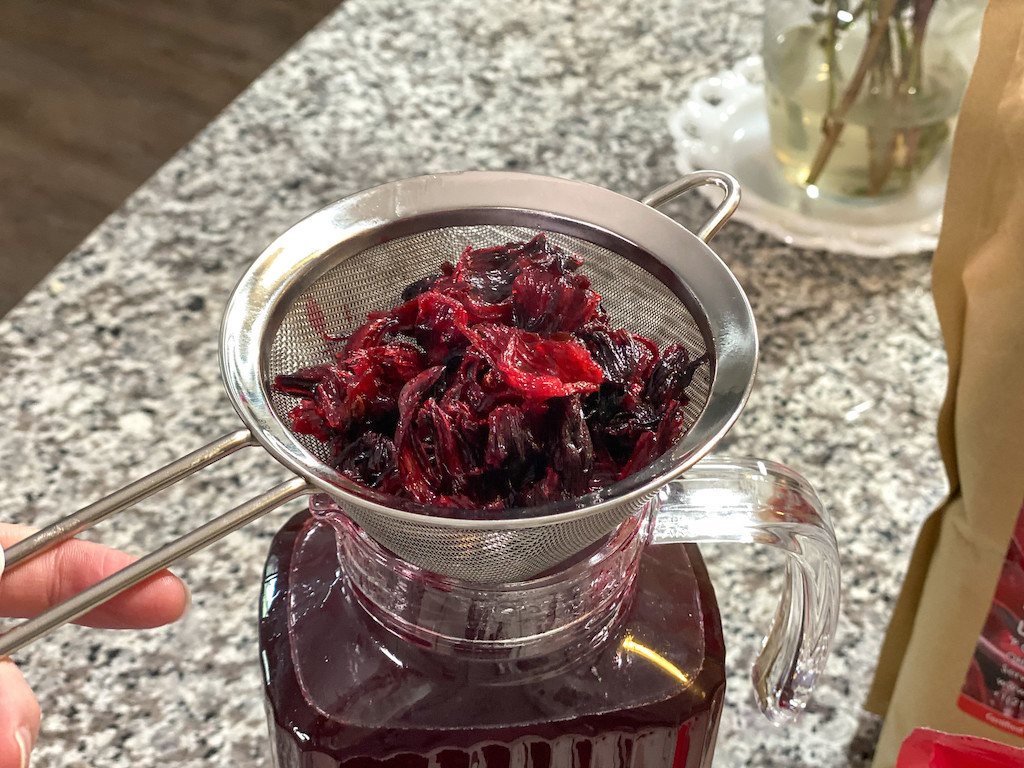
[950,657]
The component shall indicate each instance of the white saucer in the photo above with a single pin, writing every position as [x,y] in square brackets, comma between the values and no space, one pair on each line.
[723,126]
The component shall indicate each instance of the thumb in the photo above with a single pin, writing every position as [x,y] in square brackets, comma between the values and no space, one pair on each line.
[19,712]
[19,717]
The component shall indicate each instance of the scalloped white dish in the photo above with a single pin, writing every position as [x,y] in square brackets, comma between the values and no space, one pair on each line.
[723,125]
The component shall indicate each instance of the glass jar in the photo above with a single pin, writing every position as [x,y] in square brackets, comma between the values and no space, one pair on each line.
[613,660]
[862,96]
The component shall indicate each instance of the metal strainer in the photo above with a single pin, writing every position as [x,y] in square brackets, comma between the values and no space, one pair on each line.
[356,255]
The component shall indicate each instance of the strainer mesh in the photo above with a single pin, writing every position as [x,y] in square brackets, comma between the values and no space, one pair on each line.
[373,279]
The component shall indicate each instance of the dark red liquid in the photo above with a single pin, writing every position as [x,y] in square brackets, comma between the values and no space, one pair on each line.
[343,691]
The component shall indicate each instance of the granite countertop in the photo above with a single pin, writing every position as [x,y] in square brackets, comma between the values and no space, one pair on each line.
[110,365]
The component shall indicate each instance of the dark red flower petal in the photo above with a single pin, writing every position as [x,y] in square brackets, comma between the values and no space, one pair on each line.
[369,460]
[538,367]
[546,302]
[499,381]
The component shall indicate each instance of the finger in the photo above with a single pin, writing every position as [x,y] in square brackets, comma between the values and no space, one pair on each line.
[19,717]
[55,575]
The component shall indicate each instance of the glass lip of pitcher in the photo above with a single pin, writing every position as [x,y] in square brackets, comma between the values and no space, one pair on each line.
[578,602]
[639,524]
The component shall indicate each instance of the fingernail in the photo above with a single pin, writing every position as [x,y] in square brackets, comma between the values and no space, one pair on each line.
[24,738]
[188,598]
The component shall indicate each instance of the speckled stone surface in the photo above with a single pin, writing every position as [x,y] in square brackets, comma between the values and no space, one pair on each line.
[109,368]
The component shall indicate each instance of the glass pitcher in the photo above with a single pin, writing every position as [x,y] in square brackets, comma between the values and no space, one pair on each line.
[612,659]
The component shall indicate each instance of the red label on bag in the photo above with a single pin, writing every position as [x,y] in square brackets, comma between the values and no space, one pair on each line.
[994,688]
[925,748]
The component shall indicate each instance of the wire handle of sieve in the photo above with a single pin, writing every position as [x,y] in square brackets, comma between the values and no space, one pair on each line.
[719,216]
[83,602]
[85,518]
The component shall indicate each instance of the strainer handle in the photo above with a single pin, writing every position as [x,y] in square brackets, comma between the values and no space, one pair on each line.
[754,501]
[133,493]
[721,214]
[154,562]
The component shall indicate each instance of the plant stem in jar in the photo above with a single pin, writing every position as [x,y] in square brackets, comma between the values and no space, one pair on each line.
[834,121]
[831,39]
[903,143]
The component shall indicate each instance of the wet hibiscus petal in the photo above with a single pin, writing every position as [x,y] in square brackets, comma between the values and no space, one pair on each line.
[537,366]
[547,302]
[497,382]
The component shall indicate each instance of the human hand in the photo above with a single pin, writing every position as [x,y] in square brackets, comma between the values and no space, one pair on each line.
[48,579]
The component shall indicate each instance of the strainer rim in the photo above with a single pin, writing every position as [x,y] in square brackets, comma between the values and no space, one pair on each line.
[357,219]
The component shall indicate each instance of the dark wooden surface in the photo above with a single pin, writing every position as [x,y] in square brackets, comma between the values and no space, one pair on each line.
[96,94]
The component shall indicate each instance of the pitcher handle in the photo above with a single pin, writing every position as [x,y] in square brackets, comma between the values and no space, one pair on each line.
[753,501]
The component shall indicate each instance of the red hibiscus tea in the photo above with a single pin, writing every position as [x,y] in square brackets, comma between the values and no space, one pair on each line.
[614,661]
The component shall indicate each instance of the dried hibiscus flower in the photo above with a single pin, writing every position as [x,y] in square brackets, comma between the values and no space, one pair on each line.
[499,382]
